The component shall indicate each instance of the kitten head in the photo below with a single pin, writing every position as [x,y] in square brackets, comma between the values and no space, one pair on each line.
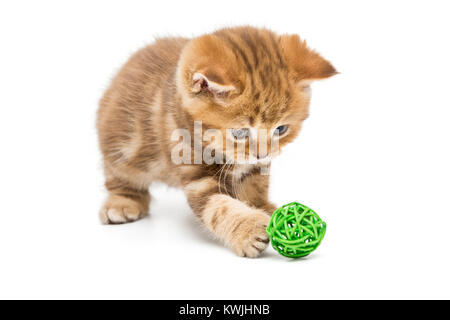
[250,84]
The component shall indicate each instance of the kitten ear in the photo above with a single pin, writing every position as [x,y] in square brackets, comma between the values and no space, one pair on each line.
[208,70]
[306,64]
[211,84]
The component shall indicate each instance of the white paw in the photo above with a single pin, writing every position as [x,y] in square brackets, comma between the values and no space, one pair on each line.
[123,211]
[249,237]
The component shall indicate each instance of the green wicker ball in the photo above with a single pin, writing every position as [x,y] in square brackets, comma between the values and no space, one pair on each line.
[295,230]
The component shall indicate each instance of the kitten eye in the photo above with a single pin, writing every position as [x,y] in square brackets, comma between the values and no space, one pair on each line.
[280,130]
[240,134]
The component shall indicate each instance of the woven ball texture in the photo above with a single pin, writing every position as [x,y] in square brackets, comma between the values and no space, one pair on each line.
[295,230]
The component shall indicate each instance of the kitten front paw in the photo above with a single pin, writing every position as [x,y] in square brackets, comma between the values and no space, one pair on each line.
[269,208]
[118,210]
[249,237]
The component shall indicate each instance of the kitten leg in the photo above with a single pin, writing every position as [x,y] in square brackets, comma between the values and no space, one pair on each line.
[239,226]
[254,190]
[125,203]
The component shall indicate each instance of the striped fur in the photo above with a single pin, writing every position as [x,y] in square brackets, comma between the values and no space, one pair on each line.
[254,78]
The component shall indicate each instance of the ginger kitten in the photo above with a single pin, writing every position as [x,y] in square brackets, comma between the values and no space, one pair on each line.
[240,82]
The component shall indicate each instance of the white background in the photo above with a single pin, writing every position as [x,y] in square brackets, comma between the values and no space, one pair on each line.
[373,158]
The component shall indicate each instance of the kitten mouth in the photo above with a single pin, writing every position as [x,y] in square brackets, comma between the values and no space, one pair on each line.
[263,161]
